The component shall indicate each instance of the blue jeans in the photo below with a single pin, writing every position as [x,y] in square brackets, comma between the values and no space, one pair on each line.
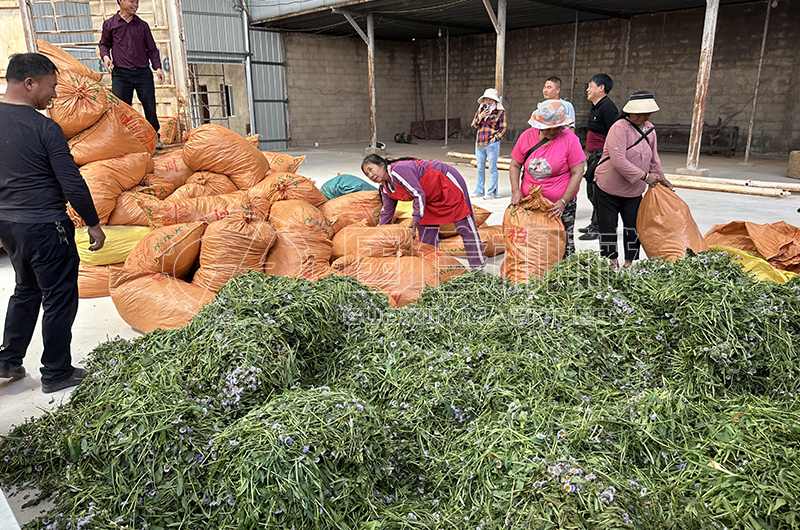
[492,151]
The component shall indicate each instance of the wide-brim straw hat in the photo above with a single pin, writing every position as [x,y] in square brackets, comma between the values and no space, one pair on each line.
[643,103]
[549,114]
[491,93]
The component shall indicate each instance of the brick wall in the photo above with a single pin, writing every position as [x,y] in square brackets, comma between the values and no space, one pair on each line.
[659,52]
[328,93]
[327,76]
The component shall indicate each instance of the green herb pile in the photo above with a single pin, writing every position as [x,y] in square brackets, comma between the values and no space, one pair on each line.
[661,396]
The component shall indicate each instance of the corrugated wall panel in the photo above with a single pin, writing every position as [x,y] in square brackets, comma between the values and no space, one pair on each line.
[215,34]
[67,17]
[269,89]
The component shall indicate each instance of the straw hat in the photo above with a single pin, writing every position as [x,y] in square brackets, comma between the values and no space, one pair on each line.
[491,93]
[643,103]
[549,114]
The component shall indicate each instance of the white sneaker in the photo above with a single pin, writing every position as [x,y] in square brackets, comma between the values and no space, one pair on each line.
[477,195]
[489,197]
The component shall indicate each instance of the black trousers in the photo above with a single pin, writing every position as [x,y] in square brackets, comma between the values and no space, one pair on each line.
[46,268]
[591,186]
[609,208]
[125,80]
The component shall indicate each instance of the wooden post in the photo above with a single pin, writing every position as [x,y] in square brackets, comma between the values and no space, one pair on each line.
[758,81]
[703,73]
[499,69]
[371,73]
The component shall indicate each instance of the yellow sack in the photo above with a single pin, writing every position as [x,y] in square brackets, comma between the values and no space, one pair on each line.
[758,267]
[120,240]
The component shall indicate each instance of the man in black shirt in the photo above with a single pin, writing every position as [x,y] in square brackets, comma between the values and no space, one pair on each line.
[37,177]
[601,117]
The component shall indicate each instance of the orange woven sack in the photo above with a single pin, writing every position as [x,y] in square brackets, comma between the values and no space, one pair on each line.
[134,122]
[190,191]
[214,183]
[447,267]
[313,271]
[80,103]
[151,300]
[491,238]
[359,206]
[66,62]
[777,243]
[281,163]
[481,215]
[665,225]
[158,187]
[495,243]
[172,168]
[127,211]
[107,138]
[168,130]
[372,241]
[93,280]
[170,249]
[401,279]
[172,212]
[214,148]
[534,241]
[299,254]
[232,246]
[107,180]
[299,216]
[287,186]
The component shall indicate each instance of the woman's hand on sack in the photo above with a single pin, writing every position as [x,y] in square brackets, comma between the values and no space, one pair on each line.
[413,226]
[667,183]
[652,179]
[516,196]
[558,209]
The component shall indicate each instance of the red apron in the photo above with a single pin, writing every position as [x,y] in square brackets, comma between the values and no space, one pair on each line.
[444,199]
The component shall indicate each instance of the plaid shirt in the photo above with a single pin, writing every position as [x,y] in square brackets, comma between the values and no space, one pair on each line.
[490,129]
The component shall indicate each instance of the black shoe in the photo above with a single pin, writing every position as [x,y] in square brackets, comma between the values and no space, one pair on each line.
[589,236]
[585,229]
[78,375]
[12,371]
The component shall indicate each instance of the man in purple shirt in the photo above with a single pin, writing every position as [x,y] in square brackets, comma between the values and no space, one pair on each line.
[127,38]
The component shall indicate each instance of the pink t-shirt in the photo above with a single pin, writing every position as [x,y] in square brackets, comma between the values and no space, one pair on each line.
[551,162]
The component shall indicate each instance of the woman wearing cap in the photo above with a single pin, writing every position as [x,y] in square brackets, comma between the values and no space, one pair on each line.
[440,197]
[629,164]
[490,124]
[550,155]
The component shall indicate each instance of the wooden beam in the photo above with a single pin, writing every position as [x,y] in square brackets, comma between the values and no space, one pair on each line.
[492,16]
[352,22]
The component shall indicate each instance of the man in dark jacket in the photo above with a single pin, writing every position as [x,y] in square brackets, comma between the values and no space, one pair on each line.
[602,116]
[37,177]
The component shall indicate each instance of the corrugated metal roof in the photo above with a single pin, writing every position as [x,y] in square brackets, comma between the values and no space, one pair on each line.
[422,19]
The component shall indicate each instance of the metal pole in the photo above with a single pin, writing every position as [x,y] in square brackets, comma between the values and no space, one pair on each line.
[26,13]
[574,56]
[446,83]
[758,81]
[179,63]
[248,74]
[499,72]
[371,74]
[703,73]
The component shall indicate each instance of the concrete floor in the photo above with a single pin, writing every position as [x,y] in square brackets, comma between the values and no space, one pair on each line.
[98,320]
